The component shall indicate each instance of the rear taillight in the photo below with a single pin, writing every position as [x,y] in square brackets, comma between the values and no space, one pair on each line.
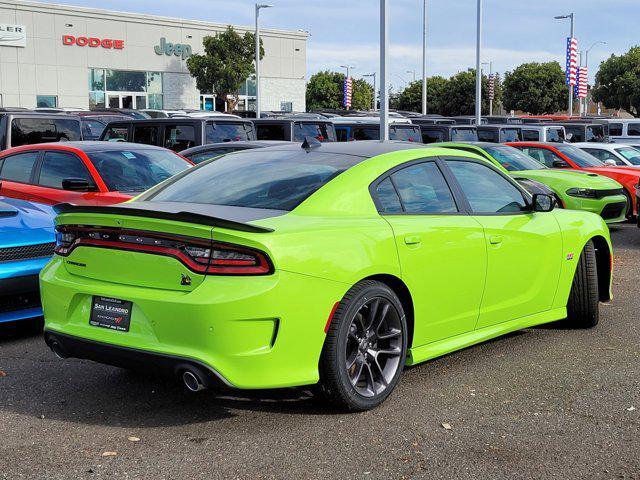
[199,255]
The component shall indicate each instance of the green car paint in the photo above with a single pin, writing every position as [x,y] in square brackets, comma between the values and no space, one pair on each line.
[560,181]
[467,278]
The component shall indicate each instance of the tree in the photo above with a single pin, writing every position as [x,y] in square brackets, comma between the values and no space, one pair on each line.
[410,98]
[228,60]
[459,94]
[618,82]
[535,88]
[326,90]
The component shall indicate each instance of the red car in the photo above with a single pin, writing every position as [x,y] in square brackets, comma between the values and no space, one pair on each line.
[562,155]
[85,173]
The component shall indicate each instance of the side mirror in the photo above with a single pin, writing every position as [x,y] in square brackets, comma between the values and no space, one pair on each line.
[560,164]
[543,202]
[610,162]
[76,185]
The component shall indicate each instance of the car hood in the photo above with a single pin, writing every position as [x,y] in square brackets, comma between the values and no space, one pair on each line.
[569,178]
[25,223]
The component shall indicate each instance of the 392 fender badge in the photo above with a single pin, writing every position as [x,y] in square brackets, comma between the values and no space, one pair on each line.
[569,256]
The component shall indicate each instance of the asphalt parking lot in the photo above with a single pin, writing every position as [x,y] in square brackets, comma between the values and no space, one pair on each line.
[543,403]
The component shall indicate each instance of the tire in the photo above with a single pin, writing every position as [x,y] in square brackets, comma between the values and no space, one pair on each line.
[583,305]
[630,214]
[365,348]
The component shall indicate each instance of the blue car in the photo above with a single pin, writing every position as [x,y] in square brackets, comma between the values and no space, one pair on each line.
[27,240]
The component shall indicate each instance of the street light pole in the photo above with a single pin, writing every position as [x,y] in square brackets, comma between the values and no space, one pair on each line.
[257,35]
[413,74]
[478,73]
[375,92]
[424,59]
[384,92]
[572,17]
[348,67]
[490,73]
[586,64]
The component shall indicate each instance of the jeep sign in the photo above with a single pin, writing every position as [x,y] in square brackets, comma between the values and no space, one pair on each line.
[13,35]
[178,49]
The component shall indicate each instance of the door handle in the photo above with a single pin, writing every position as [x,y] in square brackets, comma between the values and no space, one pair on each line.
[412,239]
[495,239]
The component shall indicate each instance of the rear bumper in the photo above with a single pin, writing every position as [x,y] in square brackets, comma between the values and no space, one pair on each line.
[255,332]
[70,346]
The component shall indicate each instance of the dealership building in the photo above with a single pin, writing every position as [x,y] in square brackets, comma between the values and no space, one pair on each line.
[67,56]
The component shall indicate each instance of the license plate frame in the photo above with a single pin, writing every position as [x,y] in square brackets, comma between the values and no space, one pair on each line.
[110,313]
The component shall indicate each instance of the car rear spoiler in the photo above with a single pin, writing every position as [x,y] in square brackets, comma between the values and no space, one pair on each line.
[181,212]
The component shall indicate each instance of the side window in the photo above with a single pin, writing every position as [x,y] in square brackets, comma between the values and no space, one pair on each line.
[114,134]
[487,136]
[179,137]
[56,166]
[17,168]
[633,129]
[388,197]
[542,155]
[615,129]
[603,155]
[530,135]
[27,131]
[423,189]
[487,190]
[146,134]
[342,134]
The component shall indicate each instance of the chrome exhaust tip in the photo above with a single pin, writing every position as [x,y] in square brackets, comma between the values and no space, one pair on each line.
[58,350]
[192,381]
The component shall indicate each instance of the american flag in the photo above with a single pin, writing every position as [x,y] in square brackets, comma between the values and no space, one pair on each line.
[582,82]
[572,60]
[348,90]
[492,78]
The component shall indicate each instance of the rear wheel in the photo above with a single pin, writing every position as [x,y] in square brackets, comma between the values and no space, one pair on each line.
[583,304]
[630,214]
[365,348]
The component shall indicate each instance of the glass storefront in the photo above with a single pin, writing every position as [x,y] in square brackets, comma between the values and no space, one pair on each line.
[124,89]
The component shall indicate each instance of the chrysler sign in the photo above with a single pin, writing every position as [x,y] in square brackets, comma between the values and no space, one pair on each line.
[13,35]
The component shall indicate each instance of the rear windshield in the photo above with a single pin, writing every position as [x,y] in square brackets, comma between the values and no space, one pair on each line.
[270,131]
[488,135]
[463,135]
[513,159]
[227,132]
[580,157]
[278,180]
[319,131]
[136,170]
[406,134]
[365,133]
[27,131]
[432,136]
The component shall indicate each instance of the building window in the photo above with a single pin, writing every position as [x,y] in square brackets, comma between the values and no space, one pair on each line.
[286,106]
[105,87]
[47,101]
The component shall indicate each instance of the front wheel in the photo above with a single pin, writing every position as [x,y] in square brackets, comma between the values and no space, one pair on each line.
[583,305]
[365,348]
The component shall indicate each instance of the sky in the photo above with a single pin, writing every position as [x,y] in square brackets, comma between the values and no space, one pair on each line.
[347,31]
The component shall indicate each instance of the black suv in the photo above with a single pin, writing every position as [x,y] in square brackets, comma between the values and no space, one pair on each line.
[18,128]
[347,131]
[178,133]
[294,130]
[449,133]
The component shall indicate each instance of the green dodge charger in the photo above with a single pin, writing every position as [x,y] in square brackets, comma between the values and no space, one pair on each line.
[573,189]
[333,265]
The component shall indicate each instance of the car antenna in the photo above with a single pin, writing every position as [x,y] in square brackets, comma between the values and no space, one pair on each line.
[310,142]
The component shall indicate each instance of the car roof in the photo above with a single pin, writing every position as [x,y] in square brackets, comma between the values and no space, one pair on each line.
[605,145]
[277,120]
[185,119]
[362,148]
[241,143]
[91,146]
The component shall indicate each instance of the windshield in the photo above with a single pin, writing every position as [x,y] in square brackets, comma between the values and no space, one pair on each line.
[278,180]
[579,157]
[513,159]
[319,131]
[136,170]
[226,132]
[407,134]
[463,135]
[630,154]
